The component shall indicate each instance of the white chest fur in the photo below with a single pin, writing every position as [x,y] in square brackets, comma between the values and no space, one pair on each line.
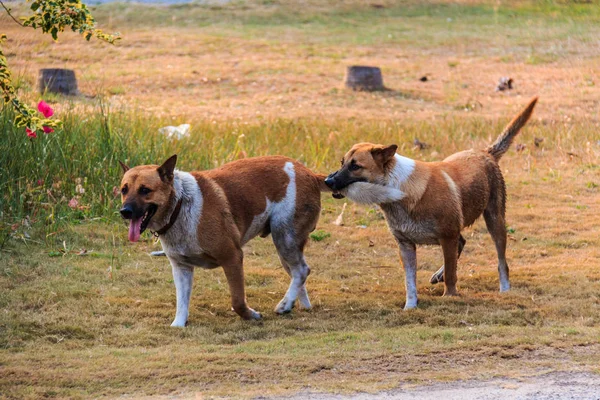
[182,238]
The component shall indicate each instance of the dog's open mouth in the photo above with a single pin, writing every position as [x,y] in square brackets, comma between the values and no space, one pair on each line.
[337,195]
[139,225]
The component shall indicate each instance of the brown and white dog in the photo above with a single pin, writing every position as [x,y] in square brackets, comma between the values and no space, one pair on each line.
[431,202]
[204,218]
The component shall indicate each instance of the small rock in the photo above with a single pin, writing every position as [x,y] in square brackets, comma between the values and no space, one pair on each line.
[505,83]
[424,78]
[537,141]
[420,145]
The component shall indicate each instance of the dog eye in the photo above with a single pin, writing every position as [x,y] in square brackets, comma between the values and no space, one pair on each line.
[144,190]
[354,167]
[124,190]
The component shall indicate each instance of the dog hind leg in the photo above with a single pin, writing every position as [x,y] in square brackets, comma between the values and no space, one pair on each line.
[450,249]
[438,276]
[292,259]
[495,223]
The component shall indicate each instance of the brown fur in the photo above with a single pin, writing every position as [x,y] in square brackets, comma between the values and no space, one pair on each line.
[439,198]
[232,197]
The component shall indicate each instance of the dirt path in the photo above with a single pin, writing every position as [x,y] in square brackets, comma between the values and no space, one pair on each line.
[580,386]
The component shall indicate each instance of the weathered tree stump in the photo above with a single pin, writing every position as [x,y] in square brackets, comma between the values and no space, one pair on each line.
[364,78]
[57,80]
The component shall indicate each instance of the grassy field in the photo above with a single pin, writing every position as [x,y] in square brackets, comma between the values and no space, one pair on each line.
[84,313]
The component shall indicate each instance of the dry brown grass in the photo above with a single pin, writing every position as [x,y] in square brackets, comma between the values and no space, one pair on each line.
[69,327]
[289,61]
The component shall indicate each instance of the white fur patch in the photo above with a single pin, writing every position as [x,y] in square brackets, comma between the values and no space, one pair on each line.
[281,212]
[403,169]
[372,193]
[182,238]
[456,194]
[286,208]
[258,223]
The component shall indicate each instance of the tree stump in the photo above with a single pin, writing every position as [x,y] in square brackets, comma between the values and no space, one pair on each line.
[57,80]
[364,78]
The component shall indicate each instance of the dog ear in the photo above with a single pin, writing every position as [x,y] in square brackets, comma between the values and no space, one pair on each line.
[384,154]
[124,166]
[167,169]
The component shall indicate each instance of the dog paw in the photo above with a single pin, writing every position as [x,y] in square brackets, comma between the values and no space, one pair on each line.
[178,324]
[437,277]
[253,315]
[304,302]
[450,293]
[504,288]
[284,307]
[410,305]
[304,305]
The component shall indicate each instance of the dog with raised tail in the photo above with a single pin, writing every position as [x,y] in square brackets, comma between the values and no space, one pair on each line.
[203,219]
[431,202]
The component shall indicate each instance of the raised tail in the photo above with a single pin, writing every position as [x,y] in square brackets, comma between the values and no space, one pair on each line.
[502,144]
[321,182]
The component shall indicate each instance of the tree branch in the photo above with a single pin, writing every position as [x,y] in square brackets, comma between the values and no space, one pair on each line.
[9,14]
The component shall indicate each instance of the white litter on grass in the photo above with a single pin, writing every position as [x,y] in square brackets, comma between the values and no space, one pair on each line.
[175,132]
[339,221]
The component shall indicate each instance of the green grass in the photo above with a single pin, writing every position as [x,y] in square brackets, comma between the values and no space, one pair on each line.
[39,177]
[430,24]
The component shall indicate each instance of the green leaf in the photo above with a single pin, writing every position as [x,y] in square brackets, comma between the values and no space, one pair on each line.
[35,5]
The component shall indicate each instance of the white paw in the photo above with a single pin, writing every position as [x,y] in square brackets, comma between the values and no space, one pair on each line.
[410,304]
[304,303]
[284,307]
[178,323]
[255,315]
[504,287]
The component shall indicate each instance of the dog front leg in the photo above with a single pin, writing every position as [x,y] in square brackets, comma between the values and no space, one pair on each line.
[183,278]
[234,272]
[408,253]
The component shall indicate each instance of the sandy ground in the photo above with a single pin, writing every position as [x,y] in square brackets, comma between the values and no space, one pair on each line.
[553,386]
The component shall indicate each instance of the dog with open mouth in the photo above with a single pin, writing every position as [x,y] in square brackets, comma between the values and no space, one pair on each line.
[203,218]
[431,202]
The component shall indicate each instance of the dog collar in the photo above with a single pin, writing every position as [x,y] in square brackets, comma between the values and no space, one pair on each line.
[172,220]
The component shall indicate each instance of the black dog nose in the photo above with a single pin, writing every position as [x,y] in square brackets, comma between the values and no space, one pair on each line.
[127,212]
[329,181]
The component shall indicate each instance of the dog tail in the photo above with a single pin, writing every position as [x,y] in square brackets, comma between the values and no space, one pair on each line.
[321,182]
[502,144]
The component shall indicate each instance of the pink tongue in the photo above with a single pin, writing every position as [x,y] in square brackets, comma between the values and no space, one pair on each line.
[134,229]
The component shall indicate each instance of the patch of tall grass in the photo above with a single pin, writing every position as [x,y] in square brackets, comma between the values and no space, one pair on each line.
[73,174]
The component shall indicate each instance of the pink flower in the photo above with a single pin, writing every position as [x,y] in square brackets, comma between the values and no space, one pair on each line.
[73,203]
[40,182]
[45,109]
[47,129]
[30,133]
